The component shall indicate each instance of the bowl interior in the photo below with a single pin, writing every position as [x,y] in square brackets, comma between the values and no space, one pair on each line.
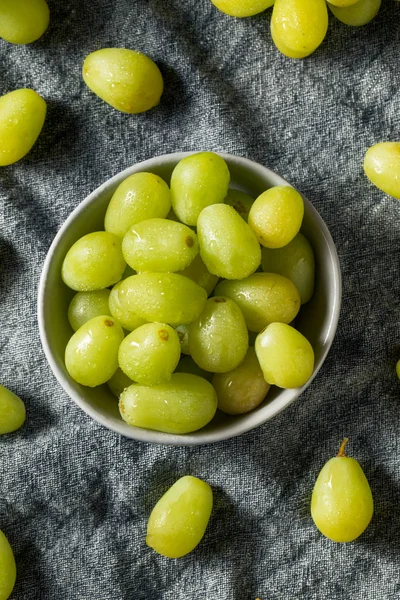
[317,319]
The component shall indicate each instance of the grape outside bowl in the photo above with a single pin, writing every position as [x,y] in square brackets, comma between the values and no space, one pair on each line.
[317,319]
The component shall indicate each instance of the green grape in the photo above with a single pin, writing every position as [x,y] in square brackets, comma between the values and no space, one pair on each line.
[242,8]
[263,298]
[196,182]
[218,339]
[22,115]
[298,27]
[286,357]
[240,201]
[276,216]
[8,569]
[342,503]
[12,415]
[127,80]
[342,3]
[184,404]
[161,297]
[244,388]
[86,305]
[382,167]
[23,21]
[139,197]
[91,355]
[228,246]
[120,310]
[159,245]
[183,335]
[118,383]
[398,369]
[294,261]
[187,365]
[358,14]
[94,262]
[179,519]
[198,272]
[150,354]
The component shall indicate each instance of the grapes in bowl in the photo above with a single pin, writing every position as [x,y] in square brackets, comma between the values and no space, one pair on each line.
[206,304]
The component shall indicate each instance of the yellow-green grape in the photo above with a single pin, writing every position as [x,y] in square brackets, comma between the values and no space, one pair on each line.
[240,201]
[187,365]
[149,355]
[358,14]
[184,404]
[94,262]
[8,569]
[12,416]
[398,369]
[382,167]
[342,505]
[23,21]
[198,272]
[139,197]
[263,298]
[294,261]
[218,339]
[121,311]
[91,355]
[183,335]
[86,305]
[298,27]
[118,383]
[159,245]
[161,297]
[196,182]
[342,3]
[228,247]
[276,216]
[179,519]
[242,8]
[286,357]
[127,80]
[22,115]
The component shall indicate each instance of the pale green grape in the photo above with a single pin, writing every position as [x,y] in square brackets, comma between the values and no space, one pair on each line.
[161,297]
[263,298]
[182,405]
[94,262]
[12,415]
[242,8]
[127,80]
[286,357]
[196,182]
[86,305]
[8,569]
[139,197]
[240,201]
[358,14]
[179,519]
[294,261]
[342,3]
[23,21]
[342,503]
[198,272]
[298,27]
[228,246]
[91,355]
[218,339]
[118,383]
[187,365]
[398,369]
[382,167]
[150,354]
[183,335]
[22,115]
[159,246]
[120,309]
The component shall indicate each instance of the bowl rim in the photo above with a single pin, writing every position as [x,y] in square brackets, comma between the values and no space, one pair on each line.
[157,437]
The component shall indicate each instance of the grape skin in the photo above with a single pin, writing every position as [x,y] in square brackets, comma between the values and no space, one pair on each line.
[356,15]
[23,21]
[242,8]
[198,272]
[120,309]
[12,412]
[118,383]
[382,167]
[8,569]
[240,201]
[86,305]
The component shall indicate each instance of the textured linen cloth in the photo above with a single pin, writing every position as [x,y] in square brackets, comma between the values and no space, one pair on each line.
[74,496]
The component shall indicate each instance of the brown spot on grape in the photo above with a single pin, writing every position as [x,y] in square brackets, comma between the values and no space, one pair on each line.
[108,323]
[189,241]
[163,335]
[181,336]
[219,300]
[121,407]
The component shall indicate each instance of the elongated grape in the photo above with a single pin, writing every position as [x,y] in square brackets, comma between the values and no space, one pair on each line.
[94,262]
[294,261]
[196,182]
[22,115]
[218,339]
[240,201]
[119,382]
[187,365]
[298,27]
[276,216]
[159,246]
[8,569]
[12,414]
[242,8]
[179,519]
[184,404]
[228,246]
[286,357]
[127,80]
[23,21]
[161,297]
[358,14]
[183,335]
[120,309]
[139,197]
[263,298]
[382,167]
[198,272]
[342,505]
[150,354]
[91,355]
[86,305]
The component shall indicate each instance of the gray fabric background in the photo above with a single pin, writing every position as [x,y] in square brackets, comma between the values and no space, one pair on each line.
[75,497]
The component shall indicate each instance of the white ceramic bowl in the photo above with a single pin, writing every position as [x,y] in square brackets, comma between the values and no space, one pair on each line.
[317,319]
